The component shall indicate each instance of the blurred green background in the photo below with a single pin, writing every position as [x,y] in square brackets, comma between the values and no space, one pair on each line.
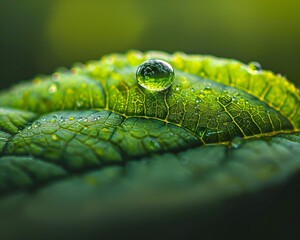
[39,36]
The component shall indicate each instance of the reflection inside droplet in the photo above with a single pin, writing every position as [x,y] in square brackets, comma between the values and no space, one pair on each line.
[155,75]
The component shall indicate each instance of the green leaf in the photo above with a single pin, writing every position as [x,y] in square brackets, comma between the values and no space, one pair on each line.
[92,144]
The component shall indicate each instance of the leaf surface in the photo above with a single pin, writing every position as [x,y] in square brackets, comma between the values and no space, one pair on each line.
[94,140]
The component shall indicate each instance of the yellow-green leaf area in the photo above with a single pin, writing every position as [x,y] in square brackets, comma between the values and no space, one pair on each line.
[213,99]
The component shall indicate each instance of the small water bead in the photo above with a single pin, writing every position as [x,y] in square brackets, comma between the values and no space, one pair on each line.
[53,88]
[198,100]
[62,119]
[53,119]
[155,75]
[54,137]
[254,67]
[207,90]
[236,142]
[37,123]
[56,76]
[235,99]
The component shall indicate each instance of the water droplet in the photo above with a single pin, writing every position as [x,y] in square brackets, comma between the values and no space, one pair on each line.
[53,119]
[254,67]
[198,100]
[52,88]
[192,89]
[37,123]
[207,90]
[155,75]
[152,144]
[236,142]
[56,76]
[54,137]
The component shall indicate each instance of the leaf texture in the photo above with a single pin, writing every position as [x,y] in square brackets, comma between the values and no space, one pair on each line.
[93,134]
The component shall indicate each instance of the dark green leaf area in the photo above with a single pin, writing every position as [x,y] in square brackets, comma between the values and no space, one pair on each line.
[77,140]
[12,120]
[19,172]
[163,183]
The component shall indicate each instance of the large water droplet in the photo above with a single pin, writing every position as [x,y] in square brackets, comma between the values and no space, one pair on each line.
[155,75]
[254,67]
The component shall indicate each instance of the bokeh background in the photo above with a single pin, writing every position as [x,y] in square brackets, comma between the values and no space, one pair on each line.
[36,37]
